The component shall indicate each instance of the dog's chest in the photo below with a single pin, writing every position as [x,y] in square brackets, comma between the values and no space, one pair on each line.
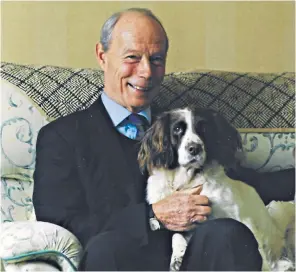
[220,191]
[183,181]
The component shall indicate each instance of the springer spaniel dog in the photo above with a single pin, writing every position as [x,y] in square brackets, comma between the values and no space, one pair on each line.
[185,148]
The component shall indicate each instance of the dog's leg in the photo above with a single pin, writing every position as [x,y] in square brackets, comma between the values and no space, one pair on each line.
[290,243]
[283,214]
[179,245]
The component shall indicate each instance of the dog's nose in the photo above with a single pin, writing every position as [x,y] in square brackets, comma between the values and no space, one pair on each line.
[194,148]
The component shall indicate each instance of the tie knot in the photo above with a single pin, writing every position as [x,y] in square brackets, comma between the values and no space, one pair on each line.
[138,119]
[134,126]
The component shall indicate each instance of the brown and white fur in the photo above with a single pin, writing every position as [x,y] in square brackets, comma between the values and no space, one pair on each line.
[185,148]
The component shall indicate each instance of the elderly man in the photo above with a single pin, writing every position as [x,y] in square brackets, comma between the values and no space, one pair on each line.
[87,177]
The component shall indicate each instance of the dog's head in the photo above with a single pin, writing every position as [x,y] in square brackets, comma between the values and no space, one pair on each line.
[189,138]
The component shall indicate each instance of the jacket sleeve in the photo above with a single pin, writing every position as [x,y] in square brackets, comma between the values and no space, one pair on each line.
[58,196]
[132,220]
[279,185]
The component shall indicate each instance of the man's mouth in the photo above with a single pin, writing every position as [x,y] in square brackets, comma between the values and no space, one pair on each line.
[143,89]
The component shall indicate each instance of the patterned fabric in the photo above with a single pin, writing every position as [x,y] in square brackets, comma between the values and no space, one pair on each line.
[21,241]
[269,151]
[134,126]
[21,121]
[16,200]
[29,266]
[247,100]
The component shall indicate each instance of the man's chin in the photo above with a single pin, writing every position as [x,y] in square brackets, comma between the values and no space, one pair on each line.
[138,107]
[140,103]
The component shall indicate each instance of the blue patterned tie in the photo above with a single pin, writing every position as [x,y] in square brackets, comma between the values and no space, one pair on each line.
[134,126]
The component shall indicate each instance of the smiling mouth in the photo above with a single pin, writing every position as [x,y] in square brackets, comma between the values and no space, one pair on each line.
[143,89]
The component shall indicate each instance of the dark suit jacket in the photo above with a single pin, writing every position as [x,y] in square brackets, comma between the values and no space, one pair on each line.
[87,178]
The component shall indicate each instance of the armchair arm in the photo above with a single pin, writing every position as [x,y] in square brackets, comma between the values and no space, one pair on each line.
[28,240]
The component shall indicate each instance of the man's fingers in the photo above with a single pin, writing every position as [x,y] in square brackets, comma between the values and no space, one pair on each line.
[197,190]
[203,210]
[187,227]
[198,219]
[194,191]
[201,200]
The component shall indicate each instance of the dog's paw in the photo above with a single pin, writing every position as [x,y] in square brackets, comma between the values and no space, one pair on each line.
[284,265]
[175,264]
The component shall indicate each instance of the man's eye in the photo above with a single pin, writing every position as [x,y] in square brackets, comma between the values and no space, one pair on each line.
[133,57]
[157,60]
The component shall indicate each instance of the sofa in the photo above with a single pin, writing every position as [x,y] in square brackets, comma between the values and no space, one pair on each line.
[260,105]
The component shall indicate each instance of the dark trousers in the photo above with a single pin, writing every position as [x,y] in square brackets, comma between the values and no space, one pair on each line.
[221,244]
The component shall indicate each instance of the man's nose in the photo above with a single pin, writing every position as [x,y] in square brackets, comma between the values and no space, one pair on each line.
[194,148]
[144,68]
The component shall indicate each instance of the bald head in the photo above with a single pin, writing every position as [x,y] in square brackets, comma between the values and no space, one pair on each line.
[132,15]
[137,27]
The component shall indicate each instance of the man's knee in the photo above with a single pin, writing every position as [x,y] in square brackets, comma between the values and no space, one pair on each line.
[226,228]
[110,251]
[222,244]
[101,241]
[99,251]
[225,233]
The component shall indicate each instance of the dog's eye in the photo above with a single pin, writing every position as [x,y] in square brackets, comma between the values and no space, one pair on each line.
[179,128]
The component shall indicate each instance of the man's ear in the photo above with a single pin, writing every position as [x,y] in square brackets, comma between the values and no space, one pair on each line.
[101,55]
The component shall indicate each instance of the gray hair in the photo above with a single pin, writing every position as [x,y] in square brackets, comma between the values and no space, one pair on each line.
[108,26]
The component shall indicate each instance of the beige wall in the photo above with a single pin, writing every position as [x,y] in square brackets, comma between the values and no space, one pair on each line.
[236,36]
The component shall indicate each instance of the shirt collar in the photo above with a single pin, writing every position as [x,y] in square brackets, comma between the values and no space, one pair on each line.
[118,113]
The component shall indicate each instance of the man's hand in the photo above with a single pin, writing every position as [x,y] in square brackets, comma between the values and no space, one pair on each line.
[179,211]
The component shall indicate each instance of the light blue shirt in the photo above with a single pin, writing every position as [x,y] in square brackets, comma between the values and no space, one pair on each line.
[119,113]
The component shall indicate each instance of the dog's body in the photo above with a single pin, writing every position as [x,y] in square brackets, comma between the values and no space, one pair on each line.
[230,199]
[179,153]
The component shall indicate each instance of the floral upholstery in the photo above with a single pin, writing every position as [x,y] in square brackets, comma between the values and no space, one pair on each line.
[21,121]
[259,105]
[30,266]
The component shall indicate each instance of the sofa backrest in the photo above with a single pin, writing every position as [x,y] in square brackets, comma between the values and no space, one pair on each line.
[260,105]
[247,100]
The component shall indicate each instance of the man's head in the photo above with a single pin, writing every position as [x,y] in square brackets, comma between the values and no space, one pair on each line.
[132,53]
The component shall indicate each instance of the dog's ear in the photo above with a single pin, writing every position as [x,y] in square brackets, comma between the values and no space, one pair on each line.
[227,145]
[156,148]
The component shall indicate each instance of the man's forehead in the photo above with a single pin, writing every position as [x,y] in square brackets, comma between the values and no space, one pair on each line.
[139,28]
[132,17]
[138,36]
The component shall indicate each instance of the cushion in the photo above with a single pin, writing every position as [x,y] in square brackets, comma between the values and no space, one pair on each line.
[30,266]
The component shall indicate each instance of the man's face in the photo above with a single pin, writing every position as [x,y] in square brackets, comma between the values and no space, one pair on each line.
[134,65]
